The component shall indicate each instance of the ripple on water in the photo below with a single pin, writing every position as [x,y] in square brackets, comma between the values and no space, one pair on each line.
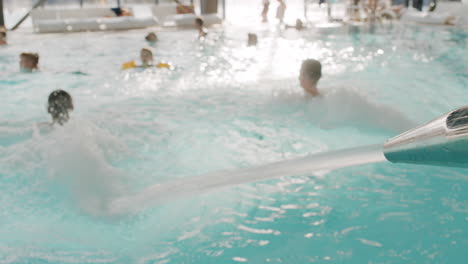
[226,107]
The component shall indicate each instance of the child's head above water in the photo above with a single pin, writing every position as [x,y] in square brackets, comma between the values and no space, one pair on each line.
[310,74]
[199,22]
[252,39]
[59,103]
[3,37]
[199,26]
[151,37]
[299,24]
[311,69]
[29,61]
[146,56]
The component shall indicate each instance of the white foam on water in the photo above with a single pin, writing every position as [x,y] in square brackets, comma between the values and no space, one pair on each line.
[81,156]
[348,107]
[166,192]
[78,156]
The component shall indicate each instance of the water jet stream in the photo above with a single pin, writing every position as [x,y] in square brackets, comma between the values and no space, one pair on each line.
[441,142]
[165,192]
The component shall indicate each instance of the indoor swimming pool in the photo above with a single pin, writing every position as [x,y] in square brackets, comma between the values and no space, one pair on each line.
[226,106]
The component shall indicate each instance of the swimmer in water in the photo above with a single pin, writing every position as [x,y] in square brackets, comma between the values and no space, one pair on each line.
[199,25]
[147,61]
[310,74]
[3,38]
[58,106]
[299,25]
[151,37]
[347,107]
[29,62]
[252,39]
[146,56]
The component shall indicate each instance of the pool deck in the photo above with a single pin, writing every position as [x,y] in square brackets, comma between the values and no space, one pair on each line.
[317,16]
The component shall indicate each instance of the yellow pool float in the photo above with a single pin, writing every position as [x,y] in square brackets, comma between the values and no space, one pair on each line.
[129,65]
[164,65]
[132,64]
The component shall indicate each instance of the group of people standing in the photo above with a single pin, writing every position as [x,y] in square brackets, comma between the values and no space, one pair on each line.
[280,10]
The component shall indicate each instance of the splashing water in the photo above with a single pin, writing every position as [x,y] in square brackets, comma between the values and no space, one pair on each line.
[165,192]
[79,154]
[148,134]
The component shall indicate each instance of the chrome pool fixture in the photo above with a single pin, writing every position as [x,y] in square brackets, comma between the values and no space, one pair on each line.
[441,142]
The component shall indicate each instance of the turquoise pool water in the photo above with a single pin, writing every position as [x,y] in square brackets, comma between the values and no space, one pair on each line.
[226,106]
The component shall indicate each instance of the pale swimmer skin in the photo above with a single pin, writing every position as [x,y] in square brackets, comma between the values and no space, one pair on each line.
[3,37]
[146,56]
[151,38]
[310,74]
[298,26]
[199,25]
[252,39]
[147,61]
[29,62]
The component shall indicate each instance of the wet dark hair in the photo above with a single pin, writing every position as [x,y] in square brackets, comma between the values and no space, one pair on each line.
[148,37]
[199,21]
[59,103]
[312,69]
[146,50]
[32,56]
